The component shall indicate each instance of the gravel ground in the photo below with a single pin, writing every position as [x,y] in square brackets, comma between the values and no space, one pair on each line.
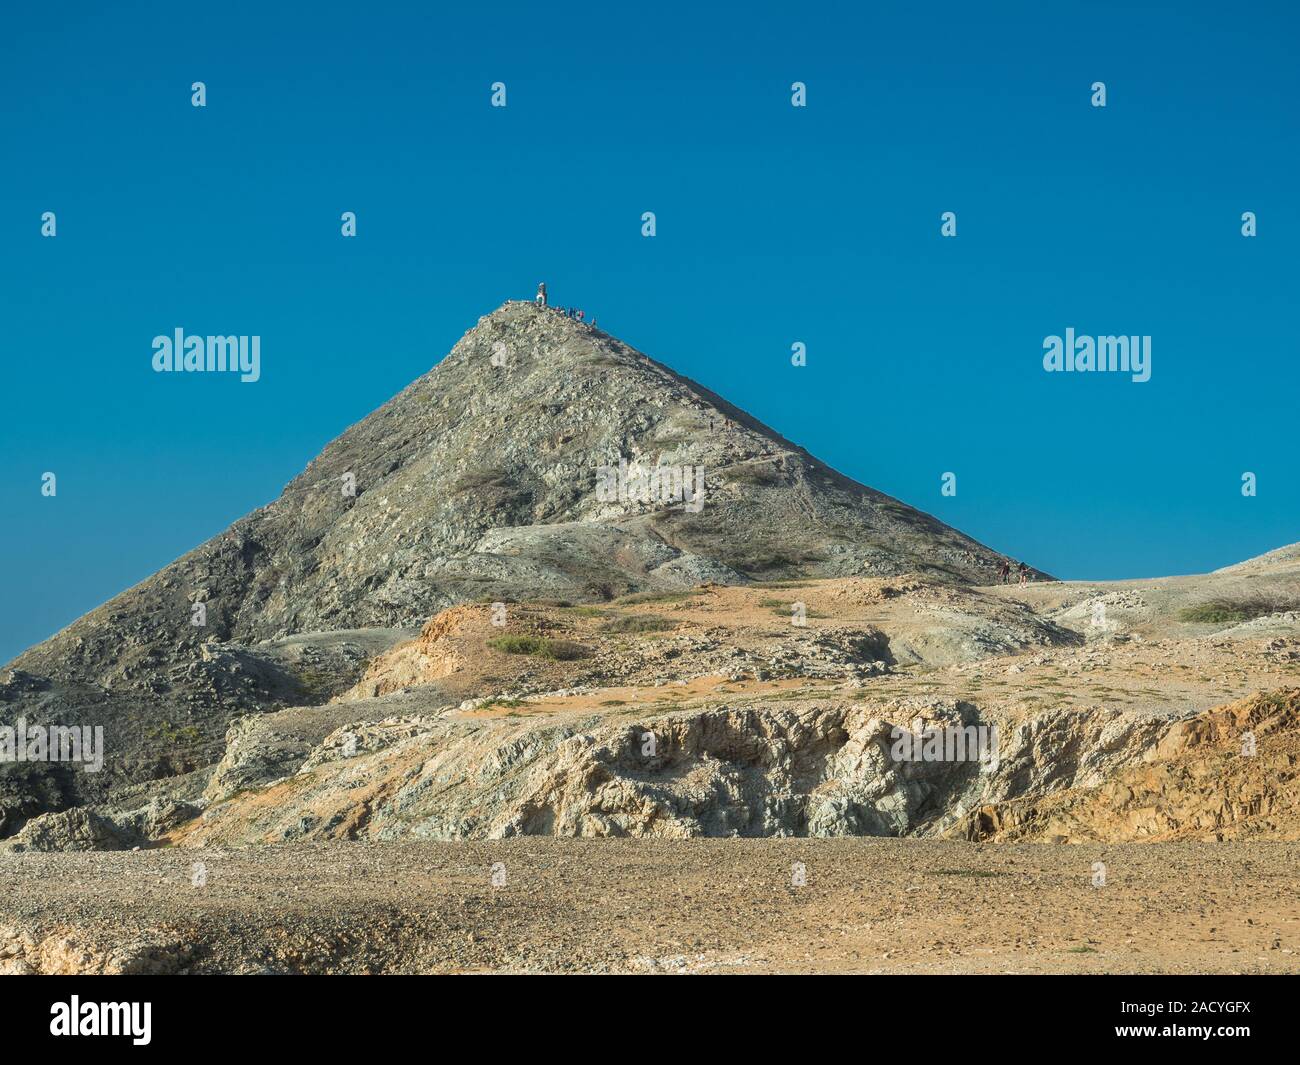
[867,905]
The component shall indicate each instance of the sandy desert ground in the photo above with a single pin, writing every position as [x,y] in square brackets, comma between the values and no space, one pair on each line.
[659,906]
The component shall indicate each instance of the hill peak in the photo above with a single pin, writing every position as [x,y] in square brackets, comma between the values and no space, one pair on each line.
[543,458]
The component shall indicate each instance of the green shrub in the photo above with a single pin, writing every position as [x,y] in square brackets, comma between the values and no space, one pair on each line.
[654,597]
[509,704]
[1212,613]
[761,560]
[638,623]
[1231,611]
[539,647]
[589,611]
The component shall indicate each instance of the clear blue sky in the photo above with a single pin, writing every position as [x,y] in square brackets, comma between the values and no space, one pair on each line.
[775,224]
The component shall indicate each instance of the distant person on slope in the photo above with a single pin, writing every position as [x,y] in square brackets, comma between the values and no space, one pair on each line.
[1024,574]
[1004,571]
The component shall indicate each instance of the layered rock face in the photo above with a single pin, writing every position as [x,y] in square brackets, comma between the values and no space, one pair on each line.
[1232,773]
[805,770]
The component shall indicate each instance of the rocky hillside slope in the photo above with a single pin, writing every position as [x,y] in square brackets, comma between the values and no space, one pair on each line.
[478,482]
[770,710]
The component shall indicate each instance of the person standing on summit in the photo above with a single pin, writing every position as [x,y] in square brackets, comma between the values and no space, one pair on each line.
[541,294]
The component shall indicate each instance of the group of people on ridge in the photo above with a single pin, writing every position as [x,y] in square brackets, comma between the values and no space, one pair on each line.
[575,313]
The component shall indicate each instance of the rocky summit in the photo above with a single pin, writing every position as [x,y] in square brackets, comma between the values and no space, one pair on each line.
[518,468]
